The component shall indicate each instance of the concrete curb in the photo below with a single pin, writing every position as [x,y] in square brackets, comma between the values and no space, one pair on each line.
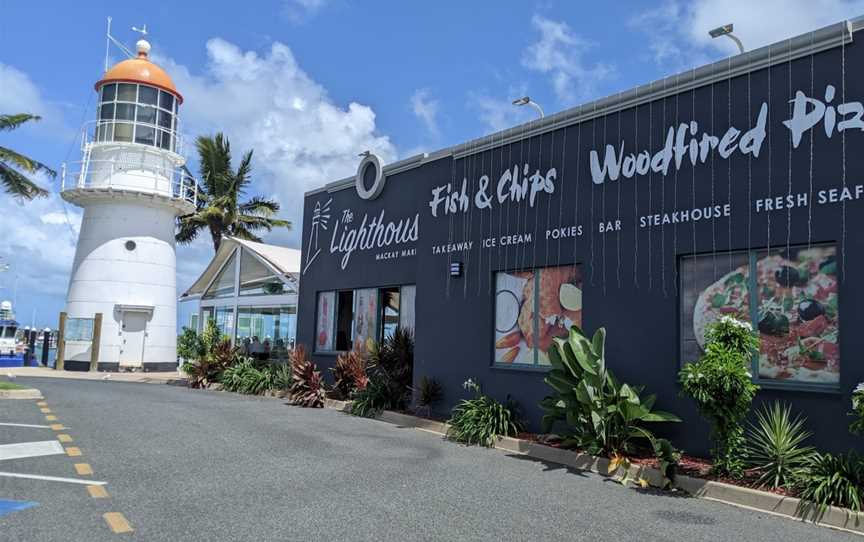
[29,393]
[788,507]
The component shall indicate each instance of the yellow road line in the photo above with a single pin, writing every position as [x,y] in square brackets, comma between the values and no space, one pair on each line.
[117,523]
[42,404]
[51,417]
[57,426]
[72,451]
[83,469]
[45,410]
[64,438]
[97,492]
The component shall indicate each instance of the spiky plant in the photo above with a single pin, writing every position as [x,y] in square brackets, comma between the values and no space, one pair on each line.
[373,399]
[307,386]
[831,480]
[14,167]
[392,362]
[427,393]
[482,420]
[349,374]
[775,445]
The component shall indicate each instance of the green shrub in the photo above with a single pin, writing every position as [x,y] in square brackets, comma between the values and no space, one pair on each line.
[190,346]
[372,400]
[723,389]
[831,480]
[774,445]
[254,378]
[307,386]
[215,354]
[857,425]
[601,415]
[482,420]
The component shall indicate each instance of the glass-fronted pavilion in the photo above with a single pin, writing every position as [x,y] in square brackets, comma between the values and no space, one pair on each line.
[250,289]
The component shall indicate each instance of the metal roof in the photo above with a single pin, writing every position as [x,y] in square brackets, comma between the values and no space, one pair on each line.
[281,260]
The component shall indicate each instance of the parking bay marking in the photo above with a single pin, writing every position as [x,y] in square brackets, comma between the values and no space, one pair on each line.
[30,449]
[52,478]
[5,424]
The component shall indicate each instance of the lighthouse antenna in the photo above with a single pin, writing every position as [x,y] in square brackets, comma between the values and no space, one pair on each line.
[109,39]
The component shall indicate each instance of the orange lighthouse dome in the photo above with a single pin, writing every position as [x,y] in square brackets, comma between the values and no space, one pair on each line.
[140,70]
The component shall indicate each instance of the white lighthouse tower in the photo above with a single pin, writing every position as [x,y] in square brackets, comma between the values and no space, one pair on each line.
[132,186]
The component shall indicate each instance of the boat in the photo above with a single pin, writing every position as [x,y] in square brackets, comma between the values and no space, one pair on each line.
[11,350]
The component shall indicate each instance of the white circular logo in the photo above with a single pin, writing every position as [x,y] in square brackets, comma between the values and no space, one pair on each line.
[369,169]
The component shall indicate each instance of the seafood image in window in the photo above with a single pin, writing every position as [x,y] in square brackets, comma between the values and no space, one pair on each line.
[798,318]
[532,308]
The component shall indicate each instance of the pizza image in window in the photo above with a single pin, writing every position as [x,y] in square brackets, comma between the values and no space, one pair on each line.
[796,312]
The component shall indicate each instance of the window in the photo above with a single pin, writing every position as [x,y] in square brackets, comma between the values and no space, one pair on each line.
[791,300]
[129,112]
[344,320]
[193,321]
[223,284]
[8,332]
[389,311]
[365,319]
[353,319]
[266,333]
[531,309]
[258,279]
[325,321]
[407,294]
[225,320]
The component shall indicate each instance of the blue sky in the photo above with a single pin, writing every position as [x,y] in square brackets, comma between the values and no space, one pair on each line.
[310,83]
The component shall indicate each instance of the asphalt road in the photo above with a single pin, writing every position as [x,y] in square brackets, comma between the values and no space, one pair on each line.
[188,465]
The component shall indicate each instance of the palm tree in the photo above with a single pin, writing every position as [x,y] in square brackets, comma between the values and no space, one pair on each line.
[220,190]
[14,181]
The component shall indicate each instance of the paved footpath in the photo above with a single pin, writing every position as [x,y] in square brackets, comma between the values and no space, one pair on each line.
[188,465]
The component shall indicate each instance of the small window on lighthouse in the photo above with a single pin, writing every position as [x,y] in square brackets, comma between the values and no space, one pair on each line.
[108,92]
[130,245]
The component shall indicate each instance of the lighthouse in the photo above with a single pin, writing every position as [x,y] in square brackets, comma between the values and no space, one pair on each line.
[131,186]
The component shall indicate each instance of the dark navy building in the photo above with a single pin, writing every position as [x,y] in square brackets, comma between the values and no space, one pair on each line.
[733,189]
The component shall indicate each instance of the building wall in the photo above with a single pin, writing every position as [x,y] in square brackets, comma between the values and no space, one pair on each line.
[631,275]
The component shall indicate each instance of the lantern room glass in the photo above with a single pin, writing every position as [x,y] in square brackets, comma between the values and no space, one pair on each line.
[142,114]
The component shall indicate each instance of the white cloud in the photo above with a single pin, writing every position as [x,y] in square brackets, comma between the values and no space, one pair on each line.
[300,10]
[21,95]
[425,108]
[678,31]
[498,112]
[301,137]
[559,53]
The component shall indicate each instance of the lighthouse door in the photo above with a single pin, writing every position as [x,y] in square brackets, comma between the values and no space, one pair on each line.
[132,338]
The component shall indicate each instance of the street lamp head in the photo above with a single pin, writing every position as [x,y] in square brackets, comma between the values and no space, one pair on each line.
[721,30]
[524,100]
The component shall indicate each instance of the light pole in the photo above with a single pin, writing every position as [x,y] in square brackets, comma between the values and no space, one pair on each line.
[726,30]
[525,100]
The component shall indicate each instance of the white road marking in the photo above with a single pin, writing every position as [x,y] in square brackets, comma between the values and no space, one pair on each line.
[53,479]
[25,425]
[30,449]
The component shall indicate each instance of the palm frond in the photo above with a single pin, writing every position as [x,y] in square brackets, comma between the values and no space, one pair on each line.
[260,206]
[18,185]
[23,162]
[10,122]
